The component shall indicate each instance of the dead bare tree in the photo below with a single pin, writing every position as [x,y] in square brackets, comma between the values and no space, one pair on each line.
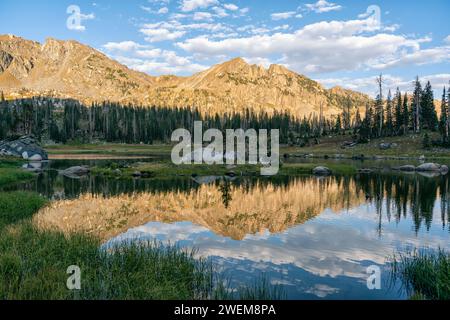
[417,92]
[380,111]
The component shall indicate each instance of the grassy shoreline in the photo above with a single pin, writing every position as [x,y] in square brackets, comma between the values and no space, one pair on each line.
[10,172]
[33,263]
[165,169]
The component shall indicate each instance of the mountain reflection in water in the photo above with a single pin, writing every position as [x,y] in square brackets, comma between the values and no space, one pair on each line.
[315,236]
[244,207]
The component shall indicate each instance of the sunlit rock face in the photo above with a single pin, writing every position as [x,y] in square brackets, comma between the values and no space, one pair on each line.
[227,210]
[69,69]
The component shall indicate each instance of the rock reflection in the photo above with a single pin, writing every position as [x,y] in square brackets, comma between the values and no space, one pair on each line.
[237,209]
[229,210]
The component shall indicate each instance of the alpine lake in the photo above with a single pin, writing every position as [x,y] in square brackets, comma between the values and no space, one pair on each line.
[313,236]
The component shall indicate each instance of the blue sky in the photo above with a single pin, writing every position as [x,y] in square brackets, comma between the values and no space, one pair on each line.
[339,42]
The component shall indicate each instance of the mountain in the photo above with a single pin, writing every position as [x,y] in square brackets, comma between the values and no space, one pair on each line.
[73,70]
[66,68]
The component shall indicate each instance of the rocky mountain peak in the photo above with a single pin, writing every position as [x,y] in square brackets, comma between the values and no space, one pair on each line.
[70,69]
[278,69]
[236,62]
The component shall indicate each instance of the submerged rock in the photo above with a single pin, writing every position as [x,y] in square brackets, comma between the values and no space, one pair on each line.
[25,147]
[147,174]
[205,179]
[426,169]
[407,168]
[230,174]
[137,174]
[358,157]
[76,172]
[321,171]
[433,167]
[429,174]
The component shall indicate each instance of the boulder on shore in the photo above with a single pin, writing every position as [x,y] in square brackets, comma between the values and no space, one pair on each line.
[348,144]
[321,171]
[25,147]
[385,146]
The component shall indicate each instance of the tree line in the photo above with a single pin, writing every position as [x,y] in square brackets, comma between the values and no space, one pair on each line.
[67,120]
[403,113]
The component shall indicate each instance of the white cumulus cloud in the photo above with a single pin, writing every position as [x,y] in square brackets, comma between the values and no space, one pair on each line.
[283,15]
[122,46]
[191,5]
[322,6]
[320,47]
[231,6]
[391,82]
[163,10]
[203,16]
[156,35]
[154,61]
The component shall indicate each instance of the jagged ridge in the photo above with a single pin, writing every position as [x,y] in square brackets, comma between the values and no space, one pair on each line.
[73,70]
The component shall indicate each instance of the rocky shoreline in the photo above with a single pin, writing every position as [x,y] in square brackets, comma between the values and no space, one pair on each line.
[25,147]
[356,157]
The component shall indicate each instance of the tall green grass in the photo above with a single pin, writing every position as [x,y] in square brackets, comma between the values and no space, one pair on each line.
[16,206]
[13,175]
[424,273]
[33,264]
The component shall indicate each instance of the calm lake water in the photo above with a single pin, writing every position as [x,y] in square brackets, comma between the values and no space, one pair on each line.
[314,236]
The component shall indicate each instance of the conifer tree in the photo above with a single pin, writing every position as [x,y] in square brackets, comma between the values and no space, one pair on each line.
[398,112]
[428,110]
[416,106]
[389,116]
[358,122]
[367,129]
[338,125]
[407,118]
